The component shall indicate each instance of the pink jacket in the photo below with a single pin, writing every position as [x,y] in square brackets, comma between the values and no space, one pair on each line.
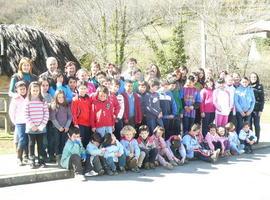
[222,101]
[17,110]
[160,142]
[206,104]
[209,138]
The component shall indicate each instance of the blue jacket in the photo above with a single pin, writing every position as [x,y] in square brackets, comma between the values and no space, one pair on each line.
[93,150]
[71,147]
[152,104]
[65,88]
[244,99]
[167,104]
[131,146]
[114,148]
[190,143]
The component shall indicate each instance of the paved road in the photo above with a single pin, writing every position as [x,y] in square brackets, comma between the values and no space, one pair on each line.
[245,177]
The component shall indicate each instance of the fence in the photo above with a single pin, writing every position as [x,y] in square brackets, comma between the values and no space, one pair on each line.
[4,98]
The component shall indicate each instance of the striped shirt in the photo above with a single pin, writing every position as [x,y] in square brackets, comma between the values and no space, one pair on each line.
[36,114]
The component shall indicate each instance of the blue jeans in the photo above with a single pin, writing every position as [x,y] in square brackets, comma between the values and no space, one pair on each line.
[241,120]
[255,119]
[153,123]
[121,162]
[208,119]
[21,137]
[235,148]
[104,130]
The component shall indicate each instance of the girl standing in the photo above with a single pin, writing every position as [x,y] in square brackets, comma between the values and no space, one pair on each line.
[37,115]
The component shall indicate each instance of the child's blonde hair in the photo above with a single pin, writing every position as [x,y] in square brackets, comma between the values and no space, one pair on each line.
[230,126]
[195,127]
[159,128]
[126,129]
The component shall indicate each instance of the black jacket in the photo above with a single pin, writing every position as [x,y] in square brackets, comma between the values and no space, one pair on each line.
[259,96]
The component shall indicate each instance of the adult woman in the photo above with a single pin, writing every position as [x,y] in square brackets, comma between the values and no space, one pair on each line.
[24,74]
[259,103]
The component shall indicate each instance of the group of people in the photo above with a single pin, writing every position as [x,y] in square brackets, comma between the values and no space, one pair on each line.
[107,121]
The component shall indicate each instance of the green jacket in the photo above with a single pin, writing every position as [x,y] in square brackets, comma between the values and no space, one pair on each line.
[177,97]
[71,148]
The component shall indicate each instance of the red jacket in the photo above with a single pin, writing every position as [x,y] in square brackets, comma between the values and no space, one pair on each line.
[115,103]
[138,110]
[80,109]
[102,113]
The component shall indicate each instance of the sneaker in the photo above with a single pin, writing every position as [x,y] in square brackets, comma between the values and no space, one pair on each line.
[168,166]
[136,169]
[115,172]
[109,172]
[122,170]
[173,163]
[181,162]
[101,172]
[156,163]
[19,162]
[215,155]
[152,165]
[42,165]
[91,173]
[33,166]
[147,165]
[79,177]
[241,151]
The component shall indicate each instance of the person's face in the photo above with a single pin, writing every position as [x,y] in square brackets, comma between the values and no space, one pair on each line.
[209,84]
[61,98]
[72,84]
[129,135]
[44,86]
[221,131]
[116,76]
[110,68]
[190,83]
[102,96]
[34,91]
[131,64]
[154,69]
[71,70]
[138,76]
[144,134]
[195,133]
[96,143]
[21,90]
[60,79]
[142,89]
[183,72]
[94,70]
[154,88]
[236,78]
[244,82]
[106,84]
[129,87]
[114,88]
[222,75]
[83,76]
[229,81]
[201,74]
[246,128]
[253,78]
[74,137]
[172,86]
[82,90]
[212,131]
[26,67]
[52,65]
[165,87]
[221,85]
[159,133]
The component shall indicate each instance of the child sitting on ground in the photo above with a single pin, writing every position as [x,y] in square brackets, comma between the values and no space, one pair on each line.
[223,138]
[213,139]
[247,138]
[74,155]
[163,151]
[235,146]
[131,148]
[176,146]
[147,146]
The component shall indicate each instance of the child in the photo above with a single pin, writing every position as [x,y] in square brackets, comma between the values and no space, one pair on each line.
[244,100]
[164,153]
[80,109]
[223,138]
[114,153]
[115,84]
[235,146]
[136,77]
[247,137]
[191,101]
[74,155]
[142,91]
[82,75]
[96,153]
[169,110]
[61,118]
[153,110]
[176,146]
[222,103]
[207,107]
[131,148]
[133,112]
[72,83]
[213,139]
[58,77]
[16,114]
[231,89]
[37,115]
[195,150]
[147,145]
[102,112]
[117,76]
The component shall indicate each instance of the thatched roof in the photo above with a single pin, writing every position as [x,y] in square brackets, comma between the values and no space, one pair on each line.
[17,41]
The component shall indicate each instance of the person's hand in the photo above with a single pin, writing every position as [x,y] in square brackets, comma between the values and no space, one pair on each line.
[131,155]
[61,129]
[94,130]
[77,126]
[66,130]
[248,113]
[170,116]
[191,107]
[259,114]
[34,128]
[243,114]
[187,109]
[117,154]
[203,115]
[160,115]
